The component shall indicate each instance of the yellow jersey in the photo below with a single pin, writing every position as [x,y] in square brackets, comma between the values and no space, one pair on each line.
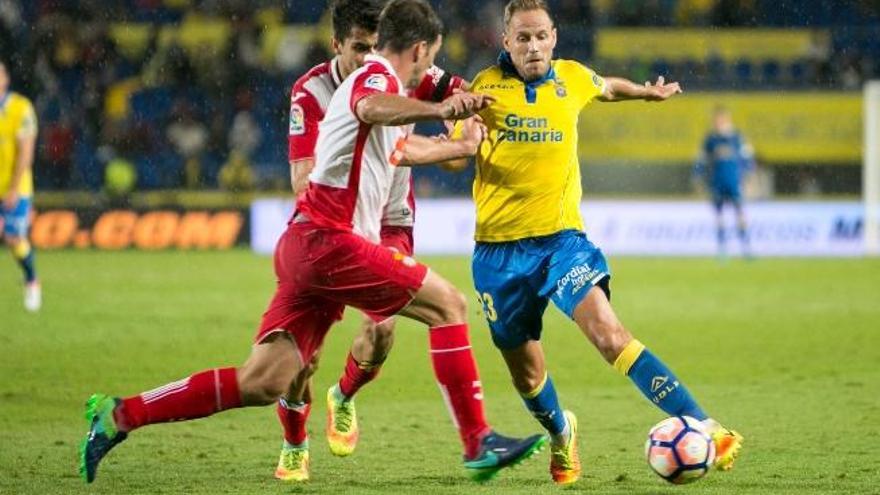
[528,180]
[17,121]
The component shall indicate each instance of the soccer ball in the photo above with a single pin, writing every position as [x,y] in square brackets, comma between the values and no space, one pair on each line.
[679,450]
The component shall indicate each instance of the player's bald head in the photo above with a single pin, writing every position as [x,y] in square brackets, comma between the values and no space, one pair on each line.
[514,6]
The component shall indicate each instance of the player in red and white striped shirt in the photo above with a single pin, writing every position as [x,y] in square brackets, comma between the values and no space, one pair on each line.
[354,23]
[329,257]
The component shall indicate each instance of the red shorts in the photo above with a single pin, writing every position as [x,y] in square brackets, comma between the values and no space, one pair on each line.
[320,271]
[398,238]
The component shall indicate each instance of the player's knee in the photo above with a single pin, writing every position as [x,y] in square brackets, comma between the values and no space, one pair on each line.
[262,382]
[309,369]
[267,389]
[609,337]
[455,305]
[528,381]
[381,335]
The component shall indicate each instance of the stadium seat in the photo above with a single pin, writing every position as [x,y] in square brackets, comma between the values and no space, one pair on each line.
[743,73]
[770,71]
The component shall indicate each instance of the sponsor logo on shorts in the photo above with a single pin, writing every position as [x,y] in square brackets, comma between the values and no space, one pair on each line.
[406,260]
[578,277]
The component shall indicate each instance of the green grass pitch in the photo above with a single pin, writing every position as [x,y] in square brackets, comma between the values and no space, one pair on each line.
[786,351]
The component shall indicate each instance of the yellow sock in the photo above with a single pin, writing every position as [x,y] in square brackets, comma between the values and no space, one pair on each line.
[22,249]
[628,356]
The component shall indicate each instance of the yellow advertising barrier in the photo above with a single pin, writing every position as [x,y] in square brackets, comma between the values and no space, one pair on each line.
[783,127]
[699,44]
[150,230]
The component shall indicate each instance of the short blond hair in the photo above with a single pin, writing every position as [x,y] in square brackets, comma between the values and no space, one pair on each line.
[514,6]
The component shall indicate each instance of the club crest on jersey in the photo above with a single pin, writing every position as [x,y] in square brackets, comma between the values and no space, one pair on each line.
[560,89]
[297,120]
[377,81]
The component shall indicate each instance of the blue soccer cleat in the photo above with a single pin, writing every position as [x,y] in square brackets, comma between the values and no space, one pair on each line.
[498,452]
[103,434]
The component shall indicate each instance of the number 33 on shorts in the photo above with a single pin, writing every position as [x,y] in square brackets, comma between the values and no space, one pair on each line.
[485,300]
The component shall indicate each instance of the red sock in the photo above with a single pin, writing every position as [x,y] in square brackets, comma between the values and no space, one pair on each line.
[459,380]
[356,375]
[293,419]
[200,395]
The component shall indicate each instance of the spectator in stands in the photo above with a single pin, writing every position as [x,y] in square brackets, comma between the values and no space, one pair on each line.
[57,151]
[244,134]
[237,174]
[735,13]
[120,178]
[189,139]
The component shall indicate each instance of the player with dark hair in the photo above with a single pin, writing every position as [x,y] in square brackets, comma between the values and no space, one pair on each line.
[531,247]
[18,137]
[354,36]
[330,257]
[726,158]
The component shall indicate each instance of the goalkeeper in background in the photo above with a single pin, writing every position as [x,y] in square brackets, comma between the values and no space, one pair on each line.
[18,137]
[726,159]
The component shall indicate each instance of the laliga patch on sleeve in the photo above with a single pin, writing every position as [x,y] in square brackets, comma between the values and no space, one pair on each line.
[378,82]
[28,125]
[297,120]
[597,81]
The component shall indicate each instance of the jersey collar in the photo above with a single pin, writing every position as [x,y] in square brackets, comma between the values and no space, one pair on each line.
[4,99]
[334,72]
[531,87]
[375,57]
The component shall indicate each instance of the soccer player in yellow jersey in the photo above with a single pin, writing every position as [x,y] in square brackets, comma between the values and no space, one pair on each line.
[531,247]
[18,135]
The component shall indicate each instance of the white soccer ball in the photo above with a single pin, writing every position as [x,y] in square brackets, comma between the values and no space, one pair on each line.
[680,450]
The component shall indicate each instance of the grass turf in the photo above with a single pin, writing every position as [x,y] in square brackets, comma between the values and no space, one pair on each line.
[786,351]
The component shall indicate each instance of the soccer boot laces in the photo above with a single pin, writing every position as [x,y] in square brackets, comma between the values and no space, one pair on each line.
[293,465]
[342,425]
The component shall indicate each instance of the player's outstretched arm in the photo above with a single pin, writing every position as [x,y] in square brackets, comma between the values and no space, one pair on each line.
[421,150]
[620,89]
[389,109]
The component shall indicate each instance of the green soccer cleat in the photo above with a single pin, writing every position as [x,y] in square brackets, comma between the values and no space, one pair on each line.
[102,436]
[565,466]
[342,425]
[498,452]
[293,465]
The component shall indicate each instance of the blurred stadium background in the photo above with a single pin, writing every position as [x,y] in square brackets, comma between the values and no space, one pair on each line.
[182,104]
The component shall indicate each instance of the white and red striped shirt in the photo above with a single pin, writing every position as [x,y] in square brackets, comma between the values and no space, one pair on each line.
[310,97]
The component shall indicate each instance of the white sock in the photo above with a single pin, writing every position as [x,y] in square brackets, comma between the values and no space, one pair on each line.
[563,436]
